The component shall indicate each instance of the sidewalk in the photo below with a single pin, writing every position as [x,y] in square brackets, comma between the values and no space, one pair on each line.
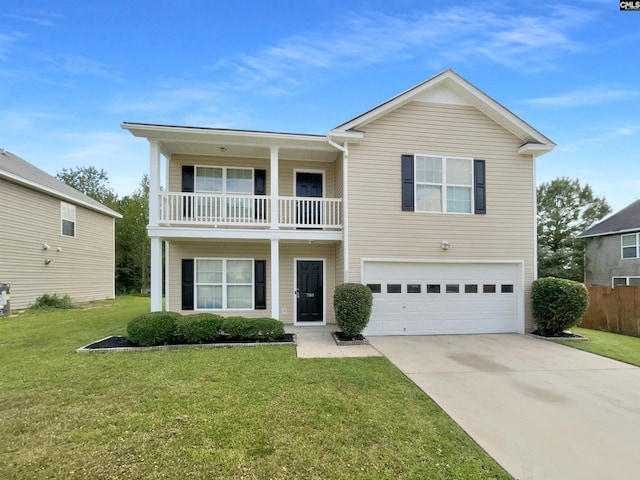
[317,342]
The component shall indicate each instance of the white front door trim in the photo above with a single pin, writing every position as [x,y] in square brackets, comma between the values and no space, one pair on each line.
[324,292]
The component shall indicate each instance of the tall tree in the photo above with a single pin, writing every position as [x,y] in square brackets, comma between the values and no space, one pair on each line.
[133,247]
[565,209]
[92,182]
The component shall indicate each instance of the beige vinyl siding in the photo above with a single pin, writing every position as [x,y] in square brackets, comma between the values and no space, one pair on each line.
[257,251]
[506,232]
[83,269]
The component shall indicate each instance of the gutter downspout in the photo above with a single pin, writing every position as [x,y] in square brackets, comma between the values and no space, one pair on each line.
[345,204]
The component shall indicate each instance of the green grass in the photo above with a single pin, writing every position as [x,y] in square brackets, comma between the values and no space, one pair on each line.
[612,345]
[236,413]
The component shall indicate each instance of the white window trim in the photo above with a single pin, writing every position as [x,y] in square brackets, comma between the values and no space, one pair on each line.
[224,284]
[637,246]
[62,218]
[626,279]
[443,185]
[224,179]
[306,170]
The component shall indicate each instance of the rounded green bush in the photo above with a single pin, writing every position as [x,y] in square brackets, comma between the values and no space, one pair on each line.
[352,303]
[198,328]
[558,304]
[154,328]
[242,328]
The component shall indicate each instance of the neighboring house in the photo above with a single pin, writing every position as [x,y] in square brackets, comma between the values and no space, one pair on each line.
[612,250]
[428,198]
[54,239]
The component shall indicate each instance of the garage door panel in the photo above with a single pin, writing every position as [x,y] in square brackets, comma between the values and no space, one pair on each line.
[463,307]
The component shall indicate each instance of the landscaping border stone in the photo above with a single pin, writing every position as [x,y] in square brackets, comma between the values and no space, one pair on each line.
[87,348]
[344,343]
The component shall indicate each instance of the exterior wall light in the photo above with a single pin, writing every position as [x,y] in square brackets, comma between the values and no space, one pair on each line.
[445,245]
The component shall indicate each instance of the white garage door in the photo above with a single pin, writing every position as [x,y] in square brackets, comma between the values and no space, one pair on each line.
[442,298]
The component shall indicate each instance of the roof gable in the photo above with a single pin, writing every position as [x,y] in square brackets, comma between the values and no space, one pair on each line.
[20,171]
[449,87]
[626,220]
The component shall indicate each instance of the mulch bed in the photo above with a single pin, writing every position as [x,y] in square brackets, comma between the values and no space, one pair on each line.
[344,340]
[564,335]
[119,343]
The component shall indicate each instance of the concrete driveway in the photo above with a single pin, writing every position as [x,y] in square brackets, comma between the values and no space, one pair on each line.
[543,411]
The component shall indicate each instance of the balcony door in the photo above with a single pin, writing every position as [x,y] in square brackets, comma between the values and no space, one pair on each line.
[308,209]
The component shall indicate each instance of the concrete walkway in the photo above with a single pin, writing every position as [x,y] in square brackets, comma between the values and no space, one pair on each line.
[317,342]
[542,410]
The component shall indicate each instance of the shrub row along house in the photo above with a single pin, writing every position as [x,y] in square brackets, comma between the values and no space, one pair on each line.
[428,198]
[54,239]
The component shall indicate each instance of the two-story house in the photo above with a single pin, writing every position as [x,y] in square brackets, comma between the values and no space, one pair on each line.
[612,249]
[428,198]
[54,239]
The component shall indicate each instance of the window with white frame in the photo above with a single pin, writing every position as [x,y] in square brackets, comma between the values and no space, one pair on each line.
[635,281]
[224,180]
[224,284]
[67,219]
[630,245]
[443,184]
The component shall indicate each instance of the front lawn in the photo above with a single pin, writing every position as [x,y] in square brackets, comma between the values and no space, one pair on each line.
[612,345]
[243,413]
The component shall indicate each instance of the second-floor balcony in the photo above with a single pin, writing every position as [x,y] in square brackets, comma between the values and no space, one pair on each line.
[247,211]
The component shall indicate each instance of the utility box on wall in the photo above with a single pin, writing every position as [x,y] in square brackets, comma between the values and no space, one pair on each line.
[5,299]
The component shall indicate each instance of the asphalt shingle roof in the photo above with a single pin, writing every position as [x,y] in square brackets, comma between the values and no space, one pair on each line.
[627,219]
[19,170]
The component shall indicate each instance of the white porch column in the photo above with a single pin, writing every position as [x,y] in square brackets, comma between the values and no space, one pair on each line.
[156,274]
[274,175]
[275,279]
[345,212]
[154,183]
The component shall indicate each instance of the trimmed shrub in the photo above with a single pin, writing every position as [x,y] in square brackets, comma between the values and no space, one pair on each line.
[155,328]
[198,328]
[53,301]
[558,304]
[352,303]
[241,328]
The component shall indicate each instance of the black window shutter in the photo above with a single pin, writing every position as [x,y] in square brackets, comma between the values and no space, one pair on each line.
[260,287]
[480,187]
[407,183]
[188,175]
[260,188]
[187,284]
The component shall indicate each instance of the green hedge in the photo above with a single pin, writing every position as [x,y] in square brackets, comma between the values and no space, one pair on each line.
[198,328]
[163,328]
[154,328]
[241,328]
[352,303]
[558,304]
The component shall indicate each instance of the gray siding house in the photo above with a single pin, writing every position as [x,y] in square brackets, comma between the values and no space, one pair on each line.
[54,239]
[612,251]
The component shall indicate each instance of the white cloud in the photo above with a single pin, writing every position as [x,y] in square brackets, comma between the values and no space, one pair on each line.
[488,33]
[586,97]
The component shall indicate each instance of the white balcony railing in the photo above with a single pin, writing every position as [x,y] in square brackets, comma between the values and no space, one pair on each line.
[248,210]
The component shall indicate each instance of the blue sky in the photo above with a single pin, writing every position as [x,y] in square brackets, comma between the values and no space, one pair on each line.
[72,71]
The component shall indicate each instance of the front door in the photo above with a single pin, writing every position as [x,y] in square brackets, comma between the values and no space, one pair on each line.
[309,185]
[309,291]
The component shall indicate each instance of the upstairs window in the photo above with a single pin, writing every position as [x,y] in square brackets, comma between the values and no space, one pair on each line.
[68,219]
[443,184]
[224,180]
[630,246]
